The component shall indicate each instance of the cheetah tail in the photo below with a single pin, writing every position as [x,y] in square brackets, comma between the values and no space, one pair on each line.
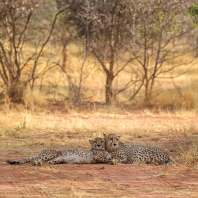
[12,162]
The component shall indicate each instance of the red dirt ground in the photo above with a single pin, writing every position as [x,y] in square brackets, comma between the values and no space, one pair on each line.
[96,180]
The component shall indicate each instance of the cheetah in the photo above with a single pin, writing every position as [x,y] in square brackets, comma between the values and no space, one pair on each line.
[129,153]
[96,154]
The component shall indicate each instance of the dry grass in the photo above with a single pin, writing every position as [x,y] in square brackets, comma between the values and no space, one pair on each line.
[190,156]
[46,130]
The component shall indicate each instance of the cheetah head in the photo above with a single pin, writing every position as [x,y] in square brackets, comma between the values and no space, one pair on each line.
[111,141]
[97,143]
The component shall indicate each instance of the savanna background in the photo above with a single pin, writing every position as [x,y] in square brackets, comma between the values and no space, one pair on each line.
[72,70]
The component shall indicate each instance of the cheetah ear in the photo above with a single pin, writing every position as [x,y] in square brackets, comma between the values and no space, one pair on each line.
[104,135]
[91,142]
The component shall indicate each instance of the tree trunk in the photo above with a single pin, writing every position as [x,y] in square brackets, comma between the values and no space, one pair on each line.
[109,89]
[148,100]
[15,91]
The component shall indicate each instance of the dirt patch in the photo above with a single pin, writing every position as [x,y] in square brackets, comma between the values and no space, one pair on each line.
[97,180]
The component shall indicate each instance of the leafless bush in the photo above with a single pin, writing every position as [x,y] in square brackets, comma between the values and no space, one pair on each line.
[22,43]
[102,26]
[160,37]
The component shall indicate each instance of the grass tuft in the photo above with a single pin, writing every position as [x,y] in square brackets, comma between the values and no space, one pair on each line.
[190,156]
[35,99]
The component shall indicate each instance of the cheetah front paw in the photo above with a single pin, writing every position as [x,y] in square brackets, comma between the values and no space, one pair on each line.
[113,162]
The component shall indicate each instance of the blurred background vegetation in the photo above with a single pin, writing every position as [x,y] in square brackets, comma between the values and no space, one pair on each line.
[140,53]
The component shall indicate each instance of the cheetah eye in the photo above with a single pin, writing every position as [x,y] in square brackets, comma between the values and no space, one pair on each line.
[117,139]
[111,138]
[102,141]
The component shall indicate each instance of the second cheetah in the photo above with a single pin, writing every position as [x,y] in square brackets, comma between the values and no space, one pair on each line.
[129,153]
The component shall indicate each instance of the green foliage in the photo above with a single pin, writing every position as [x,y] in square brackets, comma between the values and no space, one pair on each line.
[193,11]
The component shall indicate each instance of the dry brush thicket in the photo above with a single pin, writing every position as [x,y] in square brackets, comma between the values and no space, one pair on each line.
[132,52]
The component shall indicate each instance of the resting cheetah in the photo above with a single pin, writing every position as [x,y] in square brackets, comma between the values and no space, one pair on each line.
[96,154]
[129,153]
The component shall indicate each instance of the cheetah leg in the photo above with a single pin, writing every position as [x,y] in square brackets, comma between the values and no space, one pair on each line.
[39,161]
[113,161]
[57,160]
[123,159]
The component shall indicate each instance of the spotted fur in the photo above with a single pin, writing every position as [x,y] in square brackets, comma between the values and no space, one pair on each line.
[129,153]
